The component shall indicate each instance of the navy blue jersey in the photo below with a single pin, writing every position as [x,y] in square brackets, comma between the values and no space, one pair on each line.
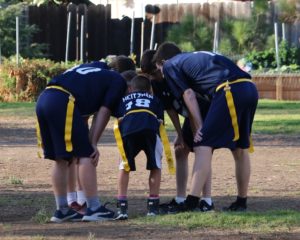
[136,107]
[202,71]
[162,91]
[92,86]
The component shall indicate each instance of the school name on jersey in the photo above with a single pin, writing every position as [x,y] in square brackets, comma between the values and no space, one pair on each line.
[137,95]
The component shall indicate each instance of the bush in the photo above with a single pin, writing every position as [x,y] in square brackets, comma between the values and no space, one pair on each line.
[24,83]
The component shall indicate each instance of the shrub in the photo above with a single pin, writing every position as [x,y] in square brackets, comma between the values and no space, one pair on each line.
[25,82]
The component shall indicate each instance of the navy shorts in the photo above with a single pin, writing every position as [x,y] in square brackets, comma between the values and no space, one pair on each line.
[51,111]
[187,133]
[217,127]
[149,142]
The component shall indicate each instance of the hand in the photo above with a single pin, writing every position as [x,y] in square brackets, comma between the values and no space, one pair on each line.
[95,156]
[198,136]
[178,143]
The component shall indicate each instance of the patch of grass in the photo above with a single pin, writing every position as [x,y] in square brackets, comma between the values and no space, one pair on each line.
[41,216]
[251,222]
[17,109]
[91,236]
[272,117]
[15,181]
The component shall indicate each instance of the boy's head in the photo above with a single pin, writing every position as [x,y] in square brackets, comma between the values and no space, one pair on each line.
[128,76]
[164,52]
[122,63]
[148,67]
[141,83]
[147,64]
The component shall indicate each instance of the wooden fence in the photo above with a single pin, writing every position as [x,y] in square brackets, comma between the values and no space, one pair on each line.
[279,87]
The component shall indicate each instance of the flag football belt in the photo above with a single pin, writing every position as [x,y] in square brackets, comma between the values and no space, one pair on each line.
[68,122]
[163,136]
[231,107]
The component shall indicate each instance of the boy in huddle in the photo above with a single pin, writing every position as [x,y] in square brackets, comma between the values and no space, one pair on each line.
[138,130]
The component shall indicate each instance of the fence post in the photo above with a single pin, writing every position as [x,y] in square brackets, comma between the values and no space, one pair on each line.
[82,39]
[17,41]
[279,88]
[68,38]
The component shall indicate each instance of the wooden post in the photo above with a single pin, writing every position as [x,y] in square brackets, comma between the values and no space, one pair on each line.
[279,88]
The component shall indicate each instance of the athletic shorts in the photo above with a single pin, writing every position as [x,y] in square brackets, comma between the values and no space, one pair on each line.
[187,133]
[51,111]
[217,127]
[149,142]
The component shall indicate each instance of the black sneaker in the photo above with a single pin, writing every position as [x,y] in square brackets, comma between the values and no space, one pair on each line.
[153,207]
[71,216]
[122,213]
[205,207]
[100,214]
[164,208]
[235,207]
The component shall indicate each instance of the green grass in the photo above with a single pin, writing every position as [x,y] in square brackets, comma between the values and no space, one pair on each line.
[17,109]
[272,117]
[251,222]
[277,117]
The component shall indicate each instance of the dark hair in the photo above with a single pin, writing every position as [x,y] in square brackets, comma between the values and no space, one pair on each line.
[128,76]
[166,51]
[141,83]
[122,63]
[147,65]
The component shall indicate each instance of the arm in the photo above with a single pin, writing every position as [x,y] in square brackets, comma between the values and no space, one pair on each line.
[175,120]
[194,111]
[99,123]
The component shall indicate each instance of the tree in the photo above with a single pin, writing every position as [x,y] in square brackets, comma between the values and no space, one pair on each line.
[10,10]
[191,34]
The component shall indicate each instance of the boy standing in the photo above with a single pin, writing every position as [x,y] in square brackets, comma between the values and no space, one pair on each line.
[228,123]
[139,128]
[79,92]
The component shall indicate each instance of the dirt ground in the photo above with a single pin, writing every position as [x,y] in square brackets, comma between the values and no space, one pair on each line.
[274,185]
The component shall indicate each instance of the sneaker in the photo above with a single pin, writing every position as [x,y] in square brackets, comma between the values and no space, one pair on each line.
[235,207]
[165,207]
[205,207]
[153,207]
[100,214]
[71,216]
[122,206]
[75,206]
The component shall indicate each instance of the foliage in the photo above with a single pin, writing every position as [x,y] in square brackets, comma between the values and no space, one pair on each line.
[288,10]
[289,58]
[25,82]
[191,34]
[29,49]
[252,222]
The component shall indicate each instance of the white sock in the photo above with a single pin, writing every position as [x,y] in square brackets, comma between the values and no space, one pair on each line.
[72,197]
[81,199]
[179,199]
[207,200]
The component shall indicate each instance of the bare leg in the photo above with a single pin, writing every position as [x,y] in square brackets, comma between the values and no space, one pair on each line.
[201,169]
[72,176]
[60,178]
[182,170]
[123,183]
[88,177]
[154,181]
[206,192]
[242,170]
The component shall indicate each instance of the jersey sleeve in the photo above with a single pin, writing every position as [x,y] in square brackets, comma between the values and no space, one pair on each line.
[114,93]
[175,79]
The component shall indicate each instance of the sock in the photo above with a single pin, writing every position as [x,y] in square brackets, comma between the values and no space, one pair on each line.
[72,197]
[192,202]
[153,196]
[241,201]
[62,204]
[180,199]
[122,197]
[81,199]
[93,203]
[207,200]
